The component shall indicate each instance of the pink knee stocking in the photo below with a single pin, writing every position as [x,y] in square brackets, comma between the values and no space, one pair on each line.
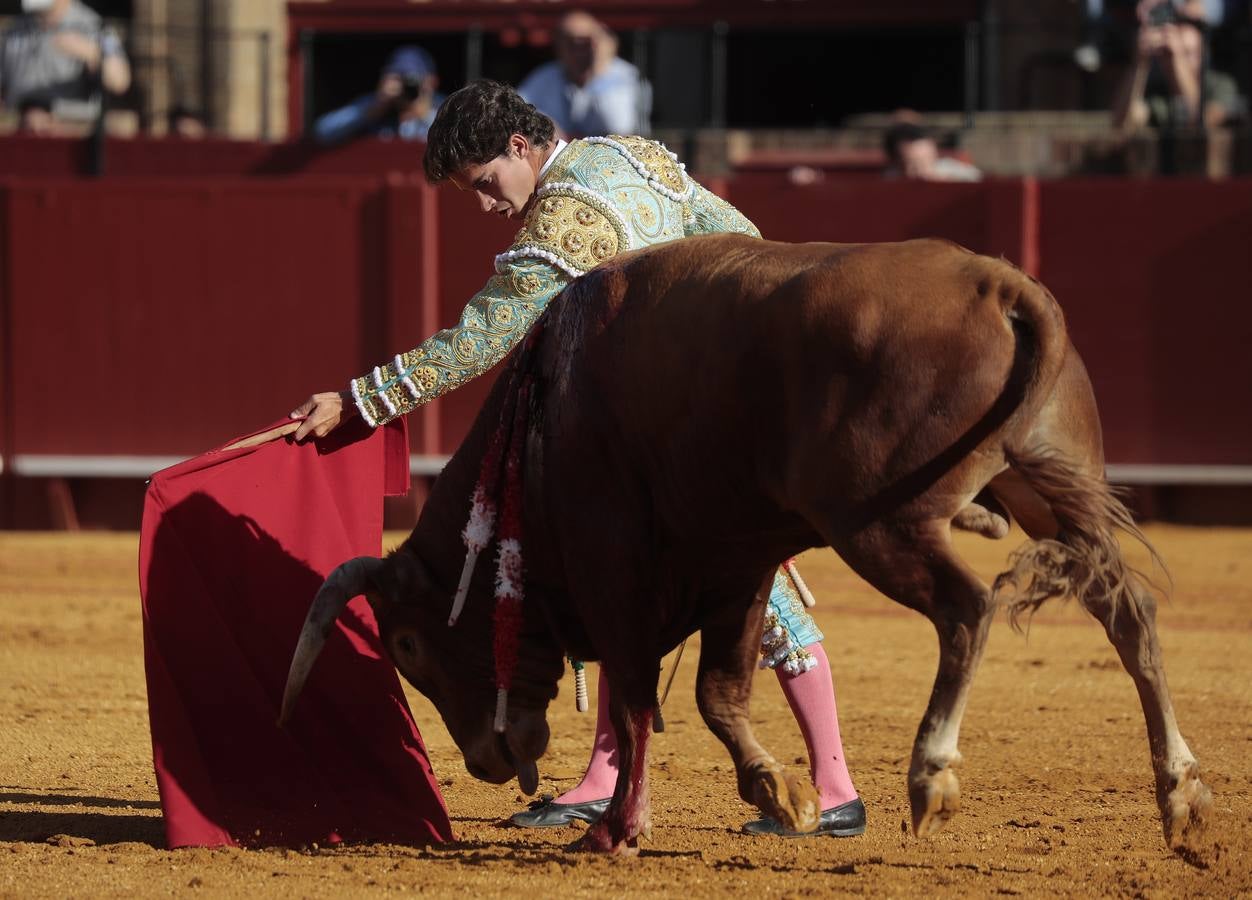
[601,776]
[812,699]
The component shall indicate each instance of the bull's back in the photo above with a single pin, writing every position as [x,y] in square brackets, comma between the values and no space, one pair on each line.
[729,351]
[737,309]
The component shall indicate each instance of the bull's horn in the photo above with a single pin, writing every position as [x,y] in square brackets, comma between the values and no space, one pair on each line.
[347,581]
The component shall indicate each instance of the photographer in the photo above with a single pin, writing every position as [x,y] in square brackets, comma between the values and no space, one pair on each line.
[1170,76]
[403,105]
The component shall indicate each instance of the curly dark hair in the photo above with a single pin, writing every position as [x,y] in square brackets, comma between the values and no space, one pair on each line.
[473,127]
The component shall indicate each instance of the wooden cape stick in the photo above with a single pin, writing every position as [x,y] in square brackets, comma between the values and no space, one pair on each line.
[673,670]
[265,436]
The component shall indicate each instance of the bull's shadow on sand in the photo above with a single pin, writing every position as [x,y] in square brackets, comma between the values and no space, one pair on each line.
[92,823]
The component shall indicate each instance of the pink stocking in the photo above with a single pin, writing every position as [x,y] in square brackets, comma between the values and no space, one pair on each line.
[601,775]
[812,699]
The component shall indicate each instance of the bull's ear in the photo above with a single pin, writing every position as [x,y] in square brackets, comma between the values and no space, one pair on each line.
[405,579]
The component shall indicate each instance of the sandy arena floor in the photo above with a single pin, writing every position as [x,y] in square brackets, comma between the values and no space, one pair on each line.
[1056,786]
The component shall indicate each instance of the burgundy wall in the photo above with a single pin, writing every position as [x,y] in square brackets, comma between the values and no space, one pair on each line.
[145,157]
[150,316]
[989,218]
[1155,277]
[163,315]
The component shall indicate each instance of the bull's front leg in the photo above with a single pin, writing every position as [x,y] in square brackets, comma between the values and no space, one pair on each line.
[632,707]
[728,654]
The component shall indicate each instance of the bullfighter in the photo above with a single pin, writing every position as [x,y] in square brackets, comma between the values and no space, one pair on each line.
[581,203]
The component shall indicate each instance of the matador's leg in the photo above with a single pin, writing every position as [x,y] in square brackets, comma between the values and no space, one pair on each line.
[792,646]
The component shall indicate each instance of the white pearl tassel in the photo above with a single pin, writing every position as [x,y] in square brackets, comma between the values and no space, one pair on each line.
[580,690]
[803,589]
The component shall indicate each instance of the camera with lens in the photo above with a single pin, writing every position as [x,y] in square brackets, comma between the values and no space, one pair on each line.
[410,88]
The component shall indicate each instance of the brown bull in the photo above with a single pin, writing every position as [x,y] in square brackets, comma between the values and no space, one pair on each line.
[711,407]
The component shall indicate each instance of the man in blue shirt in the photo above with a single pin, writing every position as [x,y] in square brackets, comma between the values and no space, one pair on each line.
[403,106]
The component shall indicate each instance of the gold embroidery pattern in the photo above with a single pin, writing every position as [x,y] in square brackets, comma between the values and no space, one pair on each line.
[426,378]
[657,160]
[710,214]
[788,629]
[527,284]
[574,228]
[793,596]
[491,325]
[574,225]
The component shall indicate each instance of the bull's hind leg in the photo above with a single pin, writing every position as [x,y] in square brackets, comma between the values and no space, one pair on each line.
[728,654]
[1182,798]
[915,564]
[1076,551]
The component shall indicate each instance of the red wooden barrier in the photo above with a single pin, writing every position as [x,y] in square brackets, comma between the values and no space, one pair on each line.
[152,316]
[1154,277]
[1156,281]
[993,217]
[146,157]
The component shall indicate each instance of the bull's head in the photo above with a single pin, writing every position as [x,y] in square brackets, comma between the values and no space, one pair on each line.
[450,666]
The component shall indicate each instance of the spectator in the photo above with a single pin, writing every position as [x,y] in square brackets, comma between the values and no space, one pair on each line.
[588,89]
[913,152]
[403,105]
[57,52]
[186,123]
[1164,85]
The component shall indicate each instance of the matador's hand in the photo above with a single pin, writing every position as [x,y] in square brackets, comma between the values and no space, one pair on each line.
[323,413]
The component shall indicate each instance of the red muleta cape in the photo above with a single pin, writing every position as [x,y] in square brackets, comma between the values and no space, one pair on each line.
[234,545]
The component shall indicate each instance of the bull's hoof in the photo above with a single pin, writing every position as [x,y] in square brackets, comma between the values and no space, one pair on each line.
[1184,813]
[934,798]
[790,800]
[599,839]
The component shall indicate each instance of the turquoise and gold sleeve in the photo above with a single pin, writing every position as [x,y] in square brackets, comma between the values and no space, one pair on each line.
[494,321]
[708,213]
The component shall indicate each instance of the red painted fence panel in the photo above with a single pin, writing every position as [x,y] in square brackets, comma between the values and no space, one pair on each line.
[153,316]
[1155,278]
[991,217]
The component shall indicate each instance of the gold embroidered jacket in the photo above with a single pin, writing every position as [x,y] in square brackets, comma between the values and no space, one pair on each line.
[599,197]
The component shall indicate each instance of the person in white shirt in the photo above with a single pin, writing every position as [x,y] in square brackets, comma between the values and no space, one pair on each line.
[588,89]
[53,56]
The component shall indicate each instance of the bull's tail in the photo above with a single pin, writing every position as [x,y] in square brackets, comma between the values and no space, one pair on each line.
[1085,559]
[1041,341]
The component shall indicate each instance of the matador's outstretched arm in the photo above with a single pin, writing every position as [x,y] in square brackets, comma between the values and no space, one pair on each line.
[493,322]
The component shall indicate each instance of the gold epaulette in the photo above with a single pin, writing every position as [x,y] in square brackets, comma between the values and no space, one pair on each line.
[655,163]
[571,227]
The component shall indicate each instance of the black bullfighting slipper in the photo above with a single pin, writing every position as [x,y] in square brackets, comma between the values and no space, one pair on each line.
[845,820]
[547,813]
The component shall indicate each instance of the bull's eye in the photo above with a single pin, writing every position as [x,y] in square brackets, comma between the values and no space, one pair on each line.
[406,645]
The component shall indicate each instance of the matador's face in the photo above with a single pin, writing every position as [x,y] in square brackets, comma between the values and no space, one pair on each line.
[504,185]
